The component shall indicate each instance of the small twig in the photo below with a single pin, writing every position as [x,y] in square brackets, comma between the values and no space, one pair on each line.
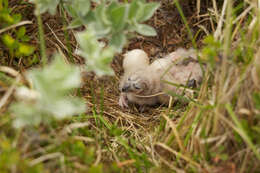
[212,139]
[9,71]
[84,138]
[198,8]
[69,128]
[44,158]
[98,156]
[215,9]
[242,15]
[57,38]
[15,25]
[9,92]
[147,96]
[126,162]
[170,103]
[221,21]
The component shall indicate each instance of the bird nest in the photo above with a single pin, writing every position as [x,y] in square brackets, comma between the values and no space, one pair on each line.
[102,94]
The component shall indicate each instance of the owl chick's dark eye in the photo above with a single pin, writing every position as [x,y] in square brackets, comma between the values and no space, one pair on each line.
[137,86]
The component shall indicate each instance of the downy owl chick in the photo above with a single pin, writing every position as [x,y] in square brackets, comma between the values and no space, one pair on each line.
[143,84]
[134,61]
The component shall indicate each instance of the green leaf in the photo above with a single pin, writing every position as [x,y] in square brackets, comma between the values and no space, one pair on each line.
[82,6]
[82,20]
[8,41]
[88,42]
[21,32]
[71,10]
[118,18]
[96,1]
[113,5]
[102,24]
[148,10]
[25,49]
[256,98]
[145,30]
[118,41]
[17,18]
[96,169]
[75,23]
[77,8]
[25,38]
[88,19]
[134,7]
[7,18]
[45,5]
[97,57]
[101,16]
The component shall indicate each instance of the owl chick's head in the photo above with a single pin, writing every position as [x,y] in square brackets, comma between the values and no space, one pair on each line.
[134,82]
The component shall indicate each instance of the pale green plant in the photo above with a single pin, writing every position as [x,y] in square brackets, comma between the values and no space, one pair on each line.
[45,5]
[48,98]
[98,58]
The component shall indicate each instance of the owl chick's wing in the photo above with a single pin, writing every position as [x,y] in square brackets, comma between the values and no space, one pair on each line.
[178,66]
[186,66]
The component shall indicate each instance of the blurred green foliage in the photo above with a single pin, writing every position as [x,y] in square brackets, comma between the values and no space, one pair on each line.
[45,5]
[11,159]
[109,20]
[98,58]
[15,40]
[48,98]
[210,52]
[7,18]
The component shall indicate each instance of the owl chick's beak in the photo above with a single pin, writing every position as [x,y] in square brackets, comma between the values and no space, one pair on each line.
[125,87]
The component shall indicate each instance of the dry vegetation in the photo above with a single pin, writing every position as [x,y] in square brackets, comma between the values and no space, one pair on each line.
[217,133]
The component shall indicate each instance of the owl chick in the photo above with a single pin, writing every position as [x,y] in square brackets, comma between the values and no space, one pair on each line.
[146,86]
[134,61]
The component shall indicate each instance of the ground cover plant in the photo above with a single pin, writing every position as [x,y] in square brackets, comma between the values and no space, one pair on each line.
[60,63]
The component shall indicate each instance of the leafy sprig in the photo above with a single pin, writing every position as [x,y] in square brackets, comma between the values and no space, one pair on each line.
[109,20]
[49,98]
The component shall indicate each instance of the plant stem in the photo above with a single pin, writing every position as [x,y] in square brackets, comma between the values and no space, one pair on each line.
[66,33]
[176,2]
[241,131]
[41,38]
